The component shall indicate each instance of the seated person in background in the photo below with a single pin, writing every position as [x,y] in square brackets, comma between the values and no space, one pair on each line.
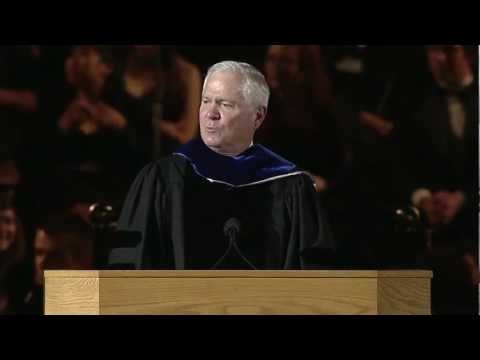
[221,201]
[93,135]
[158,91]
[62,241]
[302,123]
[13,255]
[87,69]
[439,147]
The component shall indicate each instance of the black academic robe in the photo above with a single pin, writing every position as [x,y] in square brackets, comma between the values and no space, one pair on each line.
[178,216]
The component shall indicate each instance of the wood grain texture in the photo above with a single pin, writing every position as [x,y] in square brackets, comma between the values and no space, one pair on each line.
[266,296]
[237,292]
[72,296]
[402,296]
[240,273]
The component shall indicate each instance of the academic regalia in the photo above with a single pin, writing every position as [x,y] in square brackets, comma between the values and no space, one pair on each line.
[177,208]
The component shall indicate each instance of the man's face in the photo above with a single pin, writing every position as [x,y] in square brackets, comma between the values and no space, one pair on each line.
[282,66]
[449,65]
[89,69]
[227,120]
[8,228]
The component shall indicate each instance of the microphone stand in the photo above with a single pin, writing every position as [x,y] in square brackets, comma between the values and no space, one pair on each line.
[231,230]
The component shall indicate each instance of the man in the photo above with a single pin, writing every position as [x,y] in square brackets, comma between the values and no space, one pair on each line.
[451,131]
[221,201]
[439,146]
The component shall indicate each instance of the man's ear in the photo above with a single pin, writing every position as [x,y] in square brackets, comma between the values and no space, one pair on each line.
[260,114]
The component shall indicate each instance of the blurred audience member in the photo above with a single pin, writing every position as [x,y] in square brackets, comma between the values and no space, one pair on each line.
[158,90]
[13,255]
[62,241]
[439,148]
[302,124]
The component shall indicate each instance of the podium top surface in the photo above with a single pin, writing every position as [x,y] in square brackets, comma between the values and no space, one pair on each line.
[239,273]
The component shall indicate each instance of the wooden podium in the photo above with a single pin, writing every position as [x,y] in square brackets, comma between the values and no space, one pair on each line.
[262,292]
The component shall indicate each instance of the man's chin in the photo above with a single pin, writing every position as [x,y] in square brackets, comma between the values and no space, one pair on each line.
[211,142]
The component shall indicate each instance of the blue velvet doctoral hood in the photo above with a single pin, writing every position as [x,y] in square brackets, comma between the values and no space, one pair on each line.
[255,165]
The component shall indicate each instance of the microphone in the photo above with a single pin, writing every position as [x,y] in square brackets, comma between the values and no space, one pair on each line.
[231,229]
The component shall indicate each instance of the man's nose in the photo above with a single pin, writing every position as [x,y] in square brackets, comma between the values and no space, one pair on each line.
[213,113]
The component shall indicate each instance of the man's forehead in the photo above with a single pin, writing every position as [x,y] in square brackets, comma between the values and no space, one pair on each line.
[232,79]
[223,83]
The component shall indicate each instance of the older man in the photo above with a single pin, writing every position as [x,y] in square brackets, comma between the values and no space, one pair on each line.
[221,201]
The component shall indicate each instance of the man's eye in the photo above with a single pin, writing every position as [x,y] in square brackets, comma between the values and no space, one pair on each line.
[227,105]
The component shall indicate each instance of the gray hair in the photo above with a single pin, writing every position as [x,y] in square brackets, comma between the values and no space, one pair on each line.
[254,87]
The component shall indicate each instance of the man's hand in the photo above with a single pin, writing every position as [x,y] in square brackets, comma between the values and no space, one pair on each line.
[381,126]
[89,117]
[109,117]
[78,112]
[320,183]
